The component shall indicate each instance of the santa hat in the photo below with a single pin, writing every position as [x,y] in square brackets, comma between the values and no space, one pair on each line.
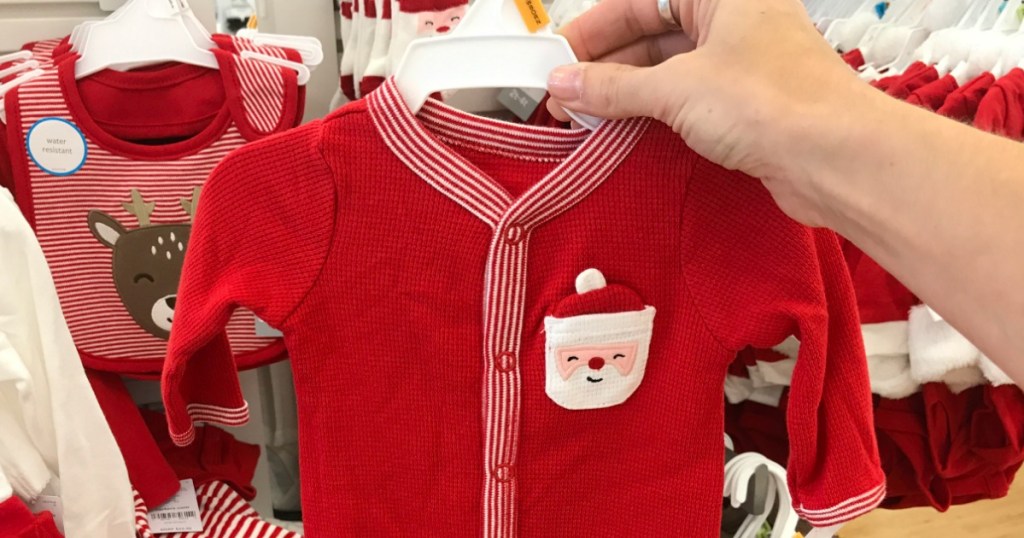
[938,352]
[418,6]
[595,296]
[599,317]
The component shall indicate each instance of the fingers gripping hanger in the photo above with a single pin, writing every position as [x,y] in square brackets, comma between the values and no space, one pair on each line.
[490,48]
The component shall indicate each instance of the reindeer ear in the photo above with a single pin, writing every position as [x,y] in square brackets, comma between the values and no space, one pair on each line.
[105,228]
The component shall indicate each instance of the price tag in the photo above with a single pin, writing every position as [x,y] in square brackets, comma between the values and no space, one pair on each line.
[533,13]
[51,504]
[179,514]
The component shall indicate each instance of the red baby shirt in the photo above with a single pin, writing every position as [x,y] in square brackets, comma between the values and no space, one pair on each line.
[932,95]
[1001,110]
[413,264]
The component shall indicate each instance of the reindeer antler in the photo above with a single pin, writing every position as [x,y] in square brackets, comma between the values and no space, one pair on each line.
[191,205]
[140,208]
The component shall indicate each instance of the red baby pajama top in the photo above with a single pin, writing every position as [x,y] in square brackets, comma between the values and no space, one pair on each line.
[503,330]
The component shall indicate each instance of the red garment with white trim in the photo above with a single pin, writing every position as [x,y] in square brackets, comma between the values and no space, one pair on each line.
[962,104]
[224,513]
[16,521]
[411,262]
[905,85]
[932,95]
[118,299]
[1001,110]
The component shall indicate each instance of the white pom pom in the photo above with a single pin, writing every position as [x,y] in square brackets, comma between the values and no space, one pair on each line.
[590,280]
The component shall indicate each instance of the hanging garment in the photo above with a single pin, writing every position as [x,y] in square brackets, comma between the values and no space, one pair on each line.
[224,514]
[932,95]
[54,435]
[115,230]
[422,243]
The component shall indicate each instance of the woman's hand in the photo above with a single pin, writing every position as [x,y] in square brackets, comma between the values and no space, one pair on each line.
[742,82]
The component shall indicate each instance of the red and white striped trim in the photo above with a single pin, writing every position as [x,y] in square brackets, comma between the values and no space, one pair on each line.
[211,414]
[847,510]
[586,160]
[224,514]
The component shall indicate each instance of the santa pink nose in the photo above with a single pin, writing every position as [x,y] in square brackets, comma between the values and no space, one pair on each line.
[596,363]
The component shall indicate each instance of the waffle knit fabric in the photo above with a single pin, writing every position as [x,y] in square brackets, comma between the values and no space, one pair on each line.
[411,262]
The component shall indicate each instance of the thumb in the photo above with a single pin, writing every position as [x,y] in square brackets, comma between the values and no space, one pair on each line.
[605,90]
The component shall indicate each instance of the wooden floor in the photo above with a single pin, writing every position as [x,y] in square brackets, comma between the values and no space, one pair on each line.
[1002,518]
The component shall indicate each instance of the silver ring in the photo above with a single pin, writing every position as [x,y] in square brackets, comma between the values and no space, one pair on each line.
[665,10]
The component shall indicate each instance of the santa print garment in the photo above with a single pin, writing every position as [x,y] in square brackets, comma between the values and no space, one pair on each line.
[419,271]
[115,231]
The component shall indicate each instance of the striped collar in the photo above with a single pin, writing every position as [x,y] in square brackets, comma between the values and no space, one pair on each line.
[424,143]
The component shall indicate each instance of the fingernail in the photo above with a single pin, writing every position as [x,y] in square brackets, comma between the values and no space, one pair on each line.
[565,83]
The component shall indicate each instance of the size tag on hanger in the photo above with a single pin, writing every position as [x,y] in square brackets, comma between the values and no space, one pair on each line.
[179,514]
[533,13]
[51,504]
[56,146]
[521,101]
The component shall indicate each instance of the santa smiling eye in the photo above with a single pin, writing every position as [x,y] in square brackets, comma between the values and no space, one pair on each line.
[573,358]
[429,23]
[619,356]
[456,19]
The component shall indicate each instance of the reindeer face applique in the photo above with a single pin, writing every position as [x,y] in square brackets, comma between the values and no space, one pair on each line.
[147,261]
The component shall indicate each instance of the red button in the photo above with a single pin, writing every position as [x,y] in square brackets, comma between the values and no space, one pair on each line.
[506,362]
[505,472]
[514,234]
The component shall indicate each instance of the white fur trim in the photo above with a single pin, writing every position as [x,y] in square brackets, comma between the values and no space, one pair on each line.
[612,388]
[768,395]
[789,347]
[776,373]
[737,389]
[590,280]
[962,379]
[936,348]
[887,338]
[992,372]
[890,376]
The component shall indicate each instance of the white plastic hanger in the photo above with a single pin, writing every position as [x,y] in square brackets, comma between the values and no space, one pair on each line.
[302,71]
[18,67]
[8,86]
[145,32]
[961,44]
[490,48]
[15,56]
[309,48]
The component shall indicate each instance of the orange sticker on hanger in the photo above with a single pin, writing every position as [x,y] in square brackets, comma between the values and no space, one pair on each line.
[533,14]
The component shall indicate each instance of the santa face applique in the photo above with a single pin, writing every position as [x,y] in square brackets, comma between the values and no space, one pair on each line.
[439,22]
[597,344]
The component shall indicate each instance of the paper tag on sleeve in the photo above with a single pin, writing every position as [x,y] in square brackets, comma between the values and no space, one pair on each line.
[56,146]
[264,329]
[533,13]
[51,504]
[179,514]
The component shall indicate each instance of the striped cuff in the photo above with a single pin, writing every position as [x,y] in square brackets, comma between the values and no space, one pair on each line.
[212,414]
[847,510]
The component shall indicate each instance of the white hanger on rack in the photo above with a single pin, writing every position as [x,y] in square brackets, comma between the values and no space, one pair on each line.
[303,72]
[492,48]
[142,32]
[9,85]
[309,48]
